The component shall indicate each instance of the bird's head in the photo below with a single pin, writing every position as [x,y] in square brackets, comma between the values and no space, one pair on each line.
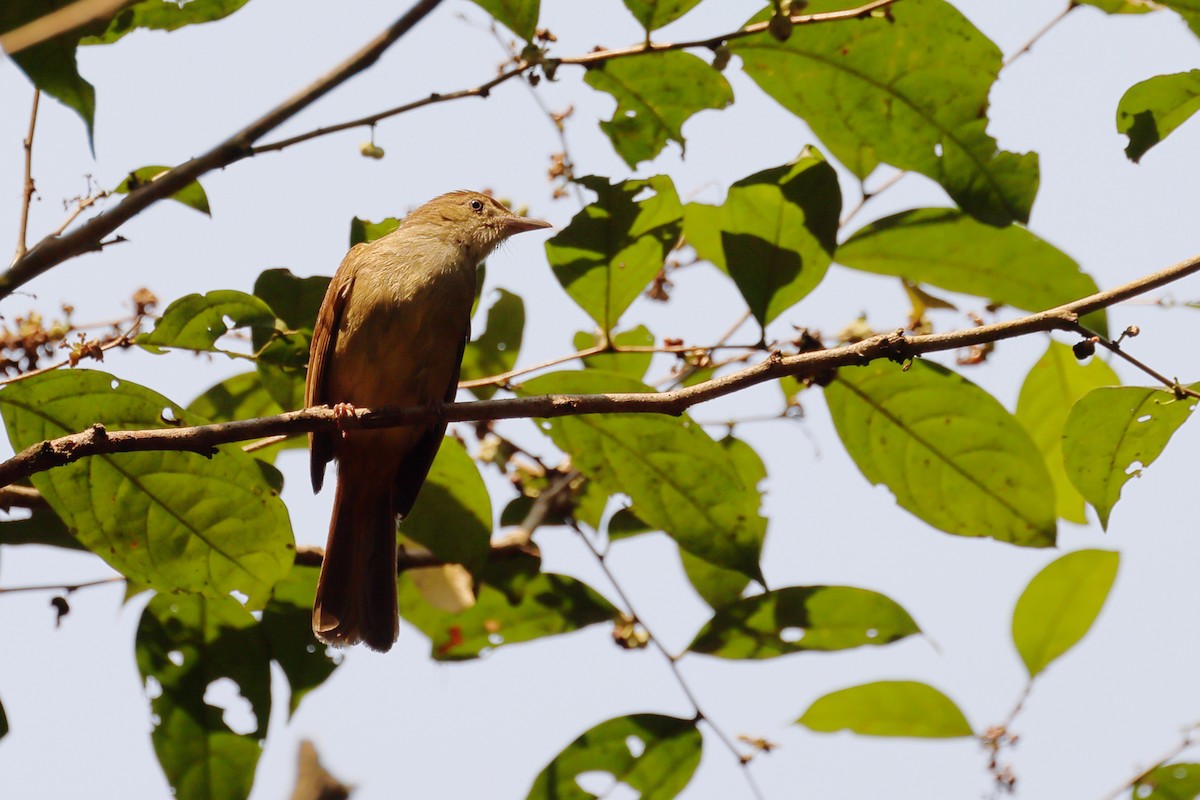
[474,220]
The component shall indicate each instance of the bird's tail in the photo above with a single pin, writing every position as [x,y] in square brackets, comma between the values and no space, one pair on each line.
[356,593]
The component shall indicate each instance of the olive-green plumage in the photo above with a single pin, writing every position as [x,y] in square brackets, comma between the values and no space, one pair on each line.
[390,333]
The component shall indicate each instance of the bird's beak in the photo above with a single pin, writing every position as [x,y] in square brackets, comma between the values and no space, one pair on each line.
[515,224]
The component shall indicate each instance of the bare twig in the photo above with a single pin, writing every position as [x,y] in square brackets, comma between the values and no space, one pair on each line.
[586,60]
[28,188]
[1037,37]
[21,497]
[1187,740]
[1116,349]
[64,588]
[673,663]
[53,250]
[894,346]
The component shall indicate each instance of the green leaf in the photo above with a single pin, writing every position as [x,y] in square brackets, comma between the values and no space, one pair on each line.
[1169,782]
[164,15]
[910,90]
[680,480]
[245,396]
[185,644]
[632,364]
[287,626]
[192,195]
[655,95]
[946,248]
[495,351]
[42,526]
[1060,604]
[197,321]
[615,246]
[799,618]
[519,16]
[888,708]
[653,755]
[51,64]
[1112,434]
[1121,6]
[362,230]
[774,235]
[174,521]
[453,514]
[294,300]
[654,14]
[949,452]
[717,586]
[1054,384]
[1149,111]
[517,602]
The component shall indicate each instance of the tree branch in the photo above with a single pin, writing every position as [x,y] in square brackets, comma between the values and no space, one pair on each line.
[894,346]
[53,250]
[28,187]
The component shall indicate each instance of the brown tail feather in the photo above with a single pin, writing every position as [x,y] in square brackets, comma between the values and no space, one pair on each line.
[356,593]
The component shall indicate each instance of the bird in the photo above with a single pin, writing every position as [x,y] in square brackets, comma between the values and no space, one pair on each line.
[391,331]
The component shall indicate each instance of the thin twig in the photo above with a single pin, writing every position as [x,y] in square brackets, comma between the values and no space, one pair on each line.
[672,662]
[505,377]
[28,187]
[53,250]
[64,588]
[895,346]
[1188,739]
[1117,350]
[1037,37]
[586,60]
[122,340]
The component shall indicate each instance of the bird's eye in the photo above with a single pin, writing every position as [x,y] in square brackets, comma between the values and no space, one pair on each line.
[476,205]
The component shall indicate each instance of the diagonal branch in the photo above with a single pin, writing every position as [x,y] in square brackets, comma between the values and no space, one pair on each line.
[895,346]
[53,250]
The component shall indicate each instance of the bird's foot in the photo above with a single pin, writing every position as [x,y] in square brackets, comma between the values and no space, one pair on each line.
[343,412]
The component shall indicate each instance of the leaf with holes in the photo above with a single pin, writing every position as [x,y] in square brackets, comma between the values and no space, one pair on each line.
[910,90]
[655,96]
[680,480]
[453,514]
[888,708]
[198,321]
[949,452]
[1112,434]
[1149,111]
[516,602]
[519,16]
[1060,604]
[1054,384]
[615,246]
[496,350]
[187,647]
[774,235]
[653,755]
[654,14]
[287,627]
[799,618]
[948,249]
[175,521]
[192,195]
[1169,782]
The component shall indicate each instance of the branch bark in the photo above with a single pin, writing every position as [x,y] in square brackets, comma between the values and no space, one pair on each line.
[53,250]
[895,346]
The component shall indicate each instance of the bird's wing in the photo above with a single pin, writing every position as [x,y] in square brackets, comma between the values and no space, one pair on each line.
[419,459]
[324,340]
